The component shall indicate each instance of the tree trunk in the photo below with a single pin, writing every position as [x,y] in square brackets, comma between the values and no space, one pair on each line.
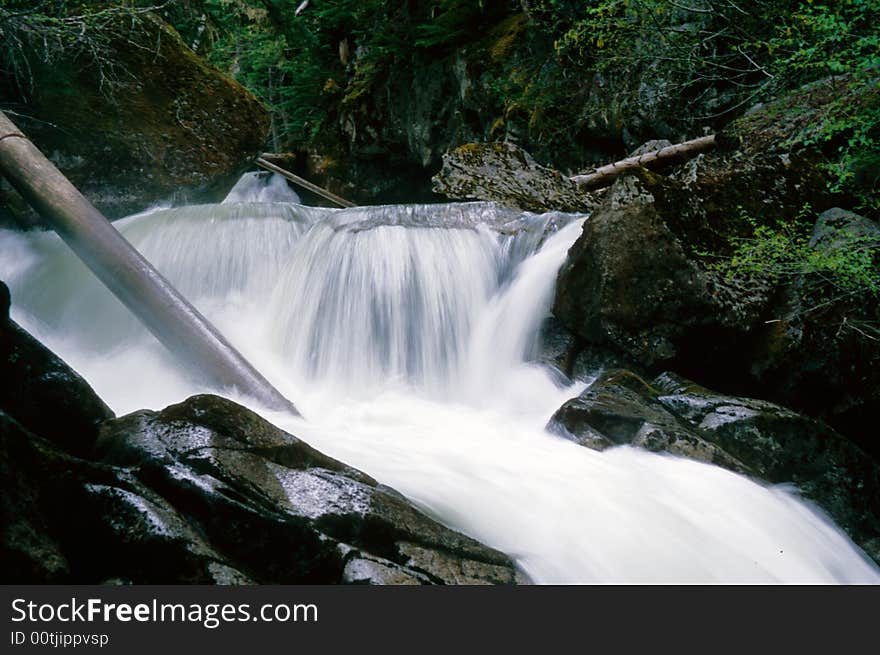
[296,179]
[605,175]
[140,287]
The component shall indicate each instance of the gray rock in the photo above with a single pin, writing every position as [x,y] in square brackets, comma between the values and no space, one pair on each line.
[620,408]
[504,173]
[755,437]
[836,228]
[206,491]
[780,445]
[650,146]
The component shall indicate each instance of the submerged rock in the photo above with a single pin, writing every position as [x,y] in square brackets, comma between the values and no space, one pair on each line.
[755,437]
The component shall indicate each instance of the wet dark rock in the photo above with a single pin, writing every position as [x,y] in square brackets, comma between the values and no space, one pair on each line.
[780,445]
[162,123]
[66,519]
[504,173]
[208,492]
[620,408]
[280,510]
[557,346]
[751,436]
[43,393]
[630,284]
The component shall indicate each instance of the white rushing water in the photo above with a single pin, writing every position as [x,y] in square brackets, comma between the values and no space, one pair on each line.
[404,334]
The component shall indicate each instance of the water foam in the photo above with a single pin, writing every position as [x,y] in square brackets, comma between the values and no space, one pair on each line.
[405,335]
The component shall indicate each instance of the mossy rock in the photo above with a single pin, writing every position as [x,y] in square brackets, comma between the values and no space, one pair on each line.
[158,122]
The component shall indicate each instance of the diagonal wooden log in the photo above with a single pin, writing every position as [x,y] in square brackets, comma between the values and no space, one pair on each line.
[169,316]
[605,175]
[296,179]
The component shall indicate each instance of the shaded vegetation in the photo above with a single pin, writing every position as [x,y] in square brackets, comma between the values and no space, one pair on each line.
[572,81]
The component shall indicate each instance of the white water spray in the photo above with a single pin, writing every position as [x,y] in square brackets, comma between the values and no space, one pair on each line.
[404,335]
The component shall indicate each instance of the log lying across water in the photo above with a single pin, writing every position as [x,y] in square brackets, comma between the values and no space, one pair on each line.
[605,175]
[149,296]
[304,183]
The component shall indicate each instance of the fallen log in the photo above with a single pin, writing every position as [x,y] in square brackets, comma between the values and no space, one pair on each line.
[296,179]
[169,316]
[605,175]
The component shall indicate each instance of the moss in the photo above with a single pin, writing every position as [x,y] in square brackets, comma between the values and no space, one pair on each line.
[505,37]
[629,380]
[165,121]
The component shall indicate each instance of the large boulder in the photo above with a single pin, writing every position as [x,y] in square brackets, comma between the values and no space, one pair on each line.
[505,173]
[674,415]
[208,492]
[153,121]
[281,511]
[631,283]
[638,282]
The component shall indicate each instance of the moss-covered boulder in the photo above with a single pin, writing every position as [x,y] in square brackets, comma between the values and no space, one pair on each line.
[505,173]
[153,122]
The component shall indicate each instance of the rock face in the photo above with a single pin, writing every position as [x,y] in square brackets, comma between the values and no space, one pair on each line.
[279,511]
[756,437]
[631,284]
[202,492]
[507,174]
[161,122]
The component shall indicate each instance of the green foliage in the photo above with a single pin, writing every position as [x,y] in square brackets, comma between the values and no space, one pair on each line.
[562,74]
[46,32]
[844,266]
[841,38]
[334,55]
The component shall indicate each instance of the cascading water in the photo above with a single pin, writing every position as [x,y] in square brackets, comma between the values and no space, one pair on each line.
[404,334]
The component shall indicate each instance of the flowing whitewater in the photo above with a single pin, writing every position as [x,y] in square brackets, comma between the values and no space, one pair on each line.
[406,335]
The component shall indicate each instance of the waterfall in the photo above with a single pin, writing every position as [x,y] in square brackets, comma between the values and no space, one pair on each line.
[406,335]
